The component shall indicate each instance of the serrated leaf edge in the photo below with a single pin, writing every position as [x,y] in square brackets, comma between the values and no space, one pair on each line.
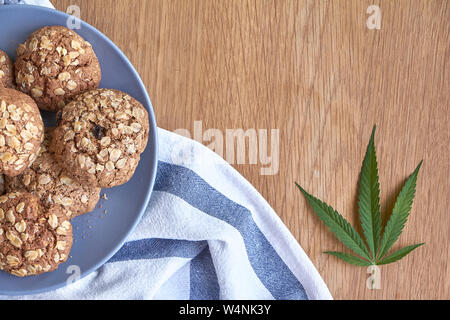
[399,254]
[349,258]
[399,217]
[369,198]
[346,227]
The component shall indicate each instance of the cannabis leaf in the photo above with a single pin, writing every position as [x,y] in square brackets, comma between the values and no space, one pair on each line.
[375,252]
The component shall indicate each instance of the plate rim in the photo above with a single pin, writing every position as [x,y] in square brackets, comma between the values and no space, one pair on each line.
[151,143]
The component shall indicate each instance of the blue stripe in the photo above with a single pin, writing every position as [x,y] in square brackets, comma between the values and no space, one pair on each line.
[11,2]
[204,282]
[267,264]
[158,248]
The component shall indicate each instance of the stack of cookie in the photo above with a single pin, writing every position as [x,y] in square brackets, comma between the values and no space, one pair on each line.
[48,176]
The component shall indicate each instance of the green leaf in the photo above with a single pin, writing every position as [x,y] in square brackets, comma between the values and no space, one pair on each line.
[399,254]
[350,258]
[400,214]
[369,198]
[338,225]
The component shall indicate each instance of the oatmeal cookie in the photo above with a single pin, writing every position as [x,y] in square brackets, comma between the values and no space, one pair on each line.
[6,71]
[100,137]
[54,65]
[47,180]
[21,131]
[32,240]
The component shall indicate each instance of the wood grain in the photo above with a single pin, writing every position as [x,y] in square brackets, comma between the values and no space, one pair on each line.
[315,71]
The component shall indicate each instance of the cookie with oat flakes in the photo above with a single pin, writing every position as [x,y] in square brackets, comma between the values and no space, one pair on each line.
[21,131]
[32,240]
[54,65]
[6,71]
[47,180]
[100,137]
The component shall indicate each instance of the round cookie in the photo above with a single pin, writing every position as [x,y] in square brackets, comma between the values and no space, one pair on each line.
[47,180]
[54,65]
[6,71]
[100,137]
[32,240]
[21,131]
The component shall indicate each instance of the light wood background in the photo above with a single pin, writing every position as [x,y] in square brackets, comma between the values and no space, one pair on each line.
[315,71]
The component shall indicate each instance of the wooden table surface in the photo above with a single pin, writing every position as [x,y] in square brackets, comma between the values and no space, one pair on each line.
[313,70]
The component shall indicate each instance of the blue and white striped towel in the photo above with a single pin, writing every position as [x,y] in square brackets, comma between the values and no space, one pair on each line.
[207,234]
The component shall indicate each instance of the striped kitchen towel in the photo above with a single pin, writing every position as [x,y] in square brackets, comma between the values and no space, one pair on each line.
[43,3]
[206,234]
